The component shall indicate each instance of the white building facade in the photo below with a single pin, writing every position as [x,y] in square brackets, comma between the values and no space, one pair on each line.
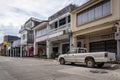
[27,37]
[58,31]
[40,39]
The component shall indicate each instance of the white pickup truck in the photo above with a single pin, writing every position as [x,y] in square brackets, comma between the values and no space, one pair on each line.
[80,55]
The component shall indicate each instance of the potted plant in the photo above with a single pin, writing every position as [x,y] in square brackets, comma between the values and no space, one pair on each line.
[53,55]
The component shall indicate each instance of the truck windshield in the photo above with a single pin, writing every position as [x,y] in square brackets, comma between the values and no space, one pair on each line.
[73,51]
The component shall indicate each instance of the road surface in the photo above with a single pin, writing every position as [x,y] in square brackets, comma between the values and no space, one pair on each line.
[41,69]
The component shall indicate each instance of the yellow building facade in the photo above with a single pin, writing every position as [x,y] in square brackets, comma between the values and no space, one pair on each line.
[93,25]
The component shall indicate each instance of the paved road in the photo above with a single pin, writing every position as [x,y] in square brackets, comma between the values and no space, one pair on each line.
[39,69]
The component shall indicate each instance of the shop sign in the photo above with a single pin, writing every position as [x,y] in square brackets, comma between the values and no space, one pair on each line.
[105,36]
[117,36]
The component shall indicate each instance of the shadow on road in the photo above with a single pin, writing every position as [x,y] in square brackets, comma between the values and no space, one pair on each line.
[105,67]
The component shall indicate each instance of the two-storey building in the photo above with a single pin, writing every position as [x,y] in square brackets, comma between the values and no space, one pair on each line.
[27,37]
[13,48]
[7,40]
[94,25]
[59,26]
[40,39]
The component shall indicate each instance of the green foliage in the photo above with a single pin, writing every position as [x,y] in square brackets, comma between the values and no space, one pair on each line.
[0,53]
[53,55]
[39,55]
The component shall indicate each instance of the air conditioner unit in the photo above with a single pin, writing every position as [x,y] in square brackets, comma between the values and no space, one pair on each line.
[117,36]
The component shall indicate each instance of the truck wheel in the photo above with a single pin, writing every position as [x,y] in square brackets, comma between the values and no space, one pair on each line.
[100,65]
[72,63]
[62,61]
[90,63]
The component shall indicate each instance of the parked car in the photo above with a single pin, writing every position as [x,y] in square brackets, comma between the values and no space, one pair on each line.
[80,55]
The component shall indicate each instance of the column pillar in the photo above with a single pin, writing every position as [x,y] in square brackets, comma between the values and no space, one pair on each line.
[118,42]
[60,48]
[118,50]
[49,49]
[10,52]
[6,52]
[73,42]
[87,44]
[35,48]
[16,52]
[13,52]
[66,19]
[21,51]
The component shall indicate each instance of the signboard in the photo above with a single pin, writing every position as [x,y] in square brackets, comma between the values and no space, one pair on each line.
[117,36]
[104,36]
[56,34]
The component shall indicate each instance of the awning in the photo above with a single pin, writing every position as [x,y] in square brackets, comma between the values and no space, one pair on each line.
[5,43]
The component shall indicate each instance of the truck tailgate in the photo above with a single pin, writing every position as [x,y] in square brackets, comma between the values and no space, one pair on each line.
[111,57]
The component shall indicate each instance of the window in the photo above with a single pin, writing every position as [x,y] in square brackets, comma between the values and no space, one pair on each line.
[28,24]
[85,16]
[106,7]
[62,22]
[73,51]
[30,36]
[54,25]
[41,32]
[79,19]
[23,36]
[82,51]
[78,44]
[97,11]
[69,19]
[110,46]
[91,14]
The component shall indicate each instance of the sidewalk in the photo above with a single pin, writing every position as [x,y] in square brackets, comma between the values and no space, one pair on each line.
[116,67]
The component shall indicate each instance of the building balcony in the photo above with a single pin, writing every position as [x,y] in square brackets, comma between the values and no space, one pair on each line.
[24,42]
[24,28]
[41,38]
[60,28]
[59,31]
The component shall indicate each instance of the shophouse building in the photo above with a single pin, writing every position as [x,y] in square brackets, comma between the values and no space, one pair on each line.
[58,31]
[40,39]
[94,25]
[27,37]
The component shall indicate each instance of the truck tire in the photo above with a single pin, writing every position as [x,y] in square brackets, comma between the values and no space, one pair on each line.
[90,63]
[100,65]
[62,61]
[72,63]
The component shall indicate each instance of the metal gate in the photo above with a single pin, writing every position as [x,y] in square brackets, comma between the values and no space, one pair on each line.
[110,45]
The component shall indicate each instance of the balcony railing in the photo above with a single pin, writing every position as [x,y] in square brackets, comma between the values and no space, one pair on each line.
[60,28]
[24,28]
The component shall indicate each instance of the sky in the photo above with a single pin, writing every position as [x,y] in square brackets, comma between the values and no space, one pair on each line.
[14,13]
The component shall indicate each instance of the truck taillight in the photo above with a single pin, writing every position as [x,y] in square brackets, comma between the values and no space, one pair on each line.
[106,54]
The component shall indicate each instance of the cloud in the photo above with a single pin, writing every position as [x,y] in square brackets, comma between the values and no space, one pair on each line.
[13,13]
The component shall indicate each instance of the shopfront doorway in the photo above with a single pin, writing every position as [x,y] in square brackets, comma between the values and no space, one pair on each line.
[65,48]
[55,51]
[110,46]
